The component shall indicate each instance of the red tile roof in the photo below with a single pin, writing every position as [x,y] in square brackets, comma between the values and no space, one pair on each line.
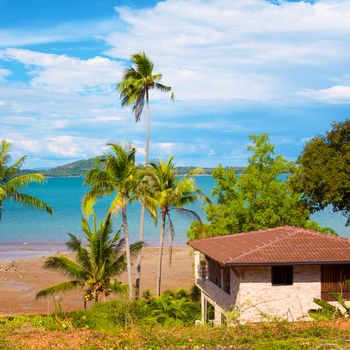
[280,245]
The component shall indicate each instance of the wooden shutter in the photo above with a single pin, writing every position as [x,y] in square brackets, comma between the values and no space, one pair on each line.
[333,279]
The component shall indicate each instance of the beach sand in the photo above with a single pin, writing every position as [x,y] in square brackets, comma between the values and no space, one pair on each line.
[21,280]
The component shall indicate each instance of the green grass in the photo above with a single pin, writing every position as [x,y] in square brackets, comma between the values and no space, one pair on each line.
[161,323]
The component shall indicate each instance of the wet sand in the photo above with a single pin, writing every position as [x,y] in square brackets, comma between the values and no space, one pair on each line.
[20,280]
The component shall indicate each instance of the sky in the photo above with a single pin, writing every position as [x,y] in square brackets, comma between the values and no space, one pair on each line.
[237,68]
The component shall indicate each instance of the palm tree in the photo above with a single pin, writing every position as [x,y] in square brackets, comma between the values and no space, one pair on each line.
[118,176]
[11,182]
[134,90]
[172,192]
[95,266]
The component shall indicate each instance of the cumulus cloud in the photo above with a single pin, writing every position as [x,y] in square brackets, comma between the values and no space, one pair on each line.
[64,74]
[244,49]
[59,147]
[334,94]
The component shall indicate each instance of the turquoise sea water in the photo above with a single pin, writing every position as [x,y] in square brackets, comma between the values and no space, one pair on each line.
[23,225]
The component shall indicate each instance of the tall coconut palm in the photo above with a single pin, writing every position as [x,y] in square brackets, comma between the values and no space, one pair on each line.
[134,89]
[118,176]
[95,265]
[172,192]
[11,182]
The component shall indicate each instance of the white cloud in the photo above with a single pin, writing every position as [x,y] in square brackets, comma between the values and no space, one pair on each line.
[243,49]
[334,94]
[4,73]
[59,147]
[64,74]
[167,147]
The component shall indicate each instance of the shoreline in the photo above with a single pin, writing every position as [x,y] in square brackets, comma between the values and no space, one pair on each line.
[21,279]
[13,251]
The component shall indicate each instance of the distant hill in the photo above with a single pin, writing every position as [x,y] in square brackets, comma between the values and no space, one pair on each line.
[80,167]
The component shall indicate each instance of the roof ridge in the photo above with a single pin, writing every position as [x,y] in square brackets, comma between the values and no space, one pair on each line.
[280,237]
[322,234]
[246,233]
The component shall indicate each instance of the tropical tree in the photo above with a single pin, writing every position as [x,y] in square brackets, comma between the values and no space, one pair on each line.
[260,197]
[116,174]
[171,192]
[134,89]
[95,266]
[323,174]
[11,182]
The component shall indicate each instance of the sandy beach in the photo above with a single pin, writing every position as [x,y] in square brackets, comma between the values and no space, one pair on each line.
[20,280]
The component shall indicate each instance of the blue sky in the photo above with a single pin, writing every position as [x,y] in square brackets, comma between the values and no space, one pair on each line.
[237,68]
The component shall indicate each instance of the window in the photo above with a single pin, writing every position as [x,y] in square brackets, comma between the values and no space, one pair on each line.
[282,275]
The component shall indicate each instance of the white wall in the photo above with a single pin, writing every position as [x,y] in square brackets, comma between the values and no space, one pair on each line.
[258,300]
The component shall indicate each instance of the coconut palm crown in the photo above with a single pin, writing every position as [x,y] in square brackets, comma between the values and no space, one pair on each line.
[172,192]
[137,81]
[11,183]
[95,265]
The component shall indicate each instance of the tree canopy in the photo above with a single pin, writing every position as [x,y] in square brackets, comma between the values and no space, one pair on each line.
[258,198]
[324,170]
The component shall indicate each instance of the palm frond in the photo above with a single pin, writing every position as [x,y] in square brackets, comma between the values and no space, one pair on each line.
[30,201]
[118,288]
[59,287]
[68,266]
[25,180]
[82,255]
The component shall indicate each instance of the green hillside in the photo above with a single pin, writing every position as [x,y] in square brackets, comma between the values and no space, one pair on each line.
[80,167]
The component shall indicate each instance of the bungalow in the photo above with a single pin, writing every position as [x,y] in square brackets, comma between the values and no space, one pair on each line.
[269,273]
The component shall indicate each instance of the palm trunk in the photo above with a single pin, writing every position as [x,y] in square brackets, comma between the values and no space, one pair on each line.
[161,246]
[142,220]
[127,249]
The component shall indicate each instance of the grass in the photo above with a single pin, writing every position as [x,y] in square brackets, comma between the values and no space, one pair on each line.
[161,323]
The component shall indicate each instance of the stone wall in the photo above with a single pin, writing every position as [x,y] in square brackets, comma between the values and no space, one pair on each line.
[258,300]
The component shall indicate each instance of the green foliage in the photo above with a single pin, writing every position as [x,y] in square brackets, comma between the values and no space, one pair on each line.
[102,328]
[324,171]
[257,199]
[171,308]
[11,181]
[328,311]
[312,225]
[95,265]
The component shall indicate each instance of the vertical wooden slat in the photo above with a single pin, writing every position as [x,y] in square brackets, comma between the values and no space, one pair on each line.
[333,279]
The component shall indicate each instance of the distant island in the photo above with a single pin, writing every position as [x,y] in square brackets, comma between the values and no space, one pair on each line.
[80,167]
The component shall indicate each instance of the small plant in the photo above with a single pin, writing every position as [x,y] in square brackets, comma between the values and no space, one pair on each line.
[329,311]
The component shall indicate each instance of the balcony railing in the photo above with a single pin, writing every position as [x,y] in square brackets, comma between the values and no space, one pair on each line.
[213,291]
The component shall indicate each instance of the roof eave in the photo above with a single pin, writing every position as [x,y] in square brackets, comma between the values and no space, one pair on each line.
[315,262]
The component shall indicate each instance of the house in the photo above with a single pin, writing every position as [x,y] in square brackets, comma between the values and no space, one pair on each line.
[269,273]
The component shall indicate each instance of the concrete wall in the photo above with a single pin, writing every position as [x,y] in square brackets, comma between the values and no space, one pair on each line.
[258,300]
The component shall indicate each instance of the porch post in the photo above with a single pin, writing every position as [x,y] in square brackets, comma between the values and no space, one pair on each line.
[197,261]
[203,308]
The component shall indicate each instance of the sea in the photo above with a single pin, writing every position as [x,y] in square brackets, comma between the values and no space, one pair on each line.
[25,232]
